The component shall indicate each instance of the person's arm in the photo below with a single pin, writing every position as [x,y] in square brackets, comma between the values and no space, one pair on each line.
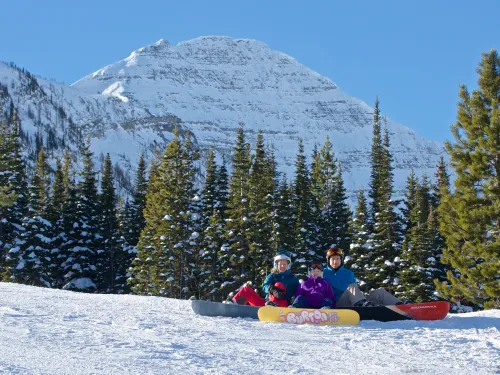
[268,282]
[328,291]
[296,286]
[353,281]
[334,304]
[298,291]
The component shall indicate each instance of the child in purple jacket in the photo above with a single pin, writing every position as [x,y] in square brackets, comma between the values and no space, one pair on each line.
[315,292]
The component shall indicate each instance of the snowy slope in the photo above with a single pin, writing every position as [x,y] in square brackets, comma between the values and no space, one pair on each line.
[208,86]
[48,331]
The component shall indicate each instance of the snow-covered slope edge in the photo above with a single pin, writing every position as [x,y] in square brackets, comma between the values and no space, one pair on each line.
[51,331]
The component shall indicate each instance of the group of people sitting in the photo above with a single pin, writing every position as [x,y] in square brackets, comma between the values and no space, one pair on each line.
[334,286]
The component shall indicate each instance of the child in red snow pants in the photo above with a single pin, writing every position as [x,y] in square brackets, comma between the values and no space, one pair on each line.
[247,295]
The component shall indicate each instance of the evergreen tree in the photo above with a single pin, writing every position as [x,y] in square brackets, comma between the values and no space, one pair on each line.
[323,172]
[35,258]
[209,190]
[6,198]
[360,252]
[262,188]
[66,223]
[341,212]
[126,250]
[440,188]
[132,222]
[376,162]
[166,249]
[315,187]
[469,215]
[124,213]
[141,278]
[234,255]
[80,268]
[408,212]
[15,174]
[56,212]
[12,175]
[214,198]
[386,246]
[282,236]
[332,213]
[274,221]
[409,201]
[58,193]
[211,275]
[136,221]
[222,192]
[111,261]
[442,185]
[418,262]
[215,190]
[305,228]
[194,222]
[424,195]
[437,244]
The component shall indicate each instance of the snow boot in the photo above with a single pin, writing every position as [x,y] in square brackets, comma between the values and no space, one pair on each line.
[240,300]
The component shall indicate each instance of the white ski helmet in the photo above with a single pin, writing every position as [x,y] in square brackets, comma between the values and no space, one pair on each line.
[282,255]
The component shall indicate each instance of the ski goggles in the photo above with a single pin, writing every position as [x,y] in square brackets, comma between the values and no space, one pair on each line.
[333,251]
[283,252]
[317,266]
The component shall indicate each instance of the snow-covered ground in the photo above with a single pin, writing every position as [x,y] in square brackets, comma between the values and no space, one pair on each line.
[46,331]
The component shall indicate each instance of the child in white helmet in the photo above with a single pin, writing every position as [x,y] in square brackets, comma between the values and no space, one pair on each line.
[281,277]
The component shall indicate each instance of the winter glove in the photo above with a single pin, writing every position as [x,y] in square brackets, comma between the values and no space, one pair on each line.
[277,293]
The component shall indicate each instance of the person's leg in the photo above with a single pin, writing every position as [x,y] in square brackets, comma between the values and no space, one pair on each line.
[327,302]
[250,296]
[300,302]
[382,297]
[351,295]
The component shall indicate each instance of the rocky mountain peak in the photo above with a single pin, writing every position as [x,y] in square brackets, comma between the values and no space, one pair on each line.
[210,85]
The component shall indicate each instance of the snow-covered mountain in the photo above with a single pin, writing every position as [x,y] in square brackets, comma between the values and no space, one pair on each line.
[209,86]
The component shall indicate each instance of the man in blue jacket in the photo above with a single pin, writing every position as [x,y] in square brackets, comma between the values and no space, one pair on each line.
[345,288]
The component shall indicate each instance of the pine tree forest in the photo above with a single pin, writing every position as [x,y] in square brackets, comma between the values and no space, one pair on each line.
[175,237]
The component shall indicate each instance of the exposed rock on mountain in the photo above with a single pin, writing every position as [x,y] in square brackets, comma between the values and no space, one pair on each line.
[208,86]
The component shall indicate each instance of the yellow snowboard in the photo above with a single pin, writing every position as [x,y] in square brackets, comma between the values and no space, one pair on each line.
[308,316]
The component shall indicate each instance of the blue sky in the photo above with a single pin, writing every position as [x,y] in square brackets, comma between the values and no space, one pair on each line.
[412,54]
